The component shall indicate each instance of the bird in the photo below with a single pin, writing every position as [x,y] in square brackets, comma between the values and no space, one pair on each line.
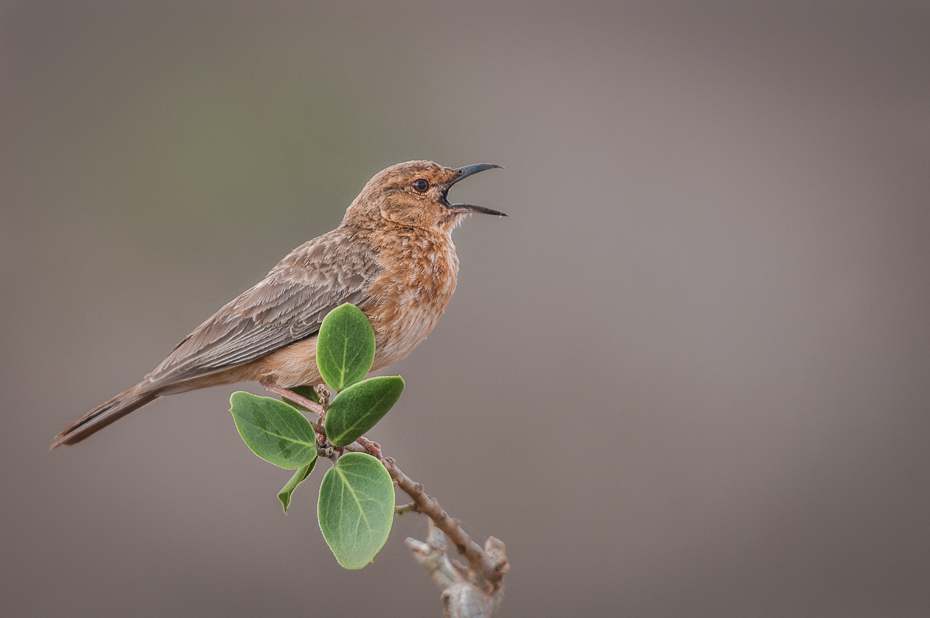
[392,257]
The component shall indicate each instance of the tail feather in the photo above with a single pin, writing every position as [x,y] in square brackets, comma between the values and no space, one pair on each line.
[103,415]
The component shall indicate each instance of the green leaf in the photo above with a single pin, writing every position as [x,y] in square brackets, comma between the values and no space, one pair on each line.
[356,508]
[345,347]
[359,408]
[307,392]
[274,431]
[299,477]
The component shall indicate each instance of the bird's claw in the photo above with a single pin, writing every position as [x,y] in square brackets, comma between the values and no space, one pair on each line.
[372,448]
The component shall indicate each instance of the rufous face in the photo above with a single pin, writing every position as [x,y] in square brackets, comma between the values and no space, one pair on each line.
[415,194]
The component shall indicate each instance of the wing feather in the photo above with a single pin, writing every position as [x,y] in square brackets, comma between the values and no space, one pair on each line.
[288,305]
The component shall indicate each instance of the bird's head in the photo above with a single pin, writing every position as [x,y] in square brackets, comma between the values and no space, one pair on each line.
[416,194]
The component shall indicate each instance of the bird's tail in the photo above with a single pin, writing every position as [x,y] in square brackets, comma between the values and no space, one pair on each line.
[104,414]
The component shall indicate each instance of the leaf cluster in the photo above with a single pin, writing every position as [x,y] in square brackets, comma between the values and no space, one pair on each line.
[356,501]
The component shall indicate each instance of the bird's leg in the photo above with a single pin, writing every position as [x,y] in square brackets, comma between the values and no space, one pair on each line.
[271,387]
[373,448]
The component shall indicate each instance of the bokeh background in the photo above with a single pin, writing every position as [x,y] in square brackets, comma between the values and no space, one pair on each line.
[689,375]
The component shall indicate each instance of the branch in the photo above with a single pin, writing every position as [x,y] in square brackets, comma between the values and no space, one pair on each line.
[473,591]
[462,598]
[476,590]
[485,570]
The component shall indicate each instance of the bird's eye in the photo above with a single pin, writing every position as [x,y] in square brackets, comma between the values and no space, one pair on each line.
[420,185]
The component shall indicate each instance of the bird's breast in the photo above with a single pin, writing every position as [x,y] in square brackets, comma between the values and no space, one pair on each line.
[413,289]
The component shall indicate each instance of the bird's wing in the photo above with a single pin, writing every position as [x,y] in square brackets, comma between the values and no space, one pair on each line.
[285,307]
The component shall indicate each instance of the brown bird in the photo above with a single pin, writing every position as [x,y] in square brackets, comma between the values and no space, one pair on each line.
[392,257]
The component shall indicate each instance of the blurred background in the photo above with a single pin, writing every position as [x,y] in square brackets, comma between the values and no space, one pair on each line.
[689,375]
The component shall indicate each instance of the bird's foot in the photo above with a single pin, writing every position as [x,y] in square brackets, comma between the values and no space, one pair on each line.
[373,448]
[299,399]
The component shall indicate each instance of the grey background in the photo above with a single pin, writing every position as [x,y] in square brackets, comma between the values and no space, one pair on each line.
[687,376]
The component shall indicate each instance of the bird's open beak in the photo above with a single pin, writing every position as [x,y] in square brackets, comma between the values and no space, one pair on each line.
[465,172]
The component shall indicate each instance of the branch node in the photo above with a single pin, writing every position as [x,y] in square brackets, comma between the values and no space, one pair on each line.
[470,590]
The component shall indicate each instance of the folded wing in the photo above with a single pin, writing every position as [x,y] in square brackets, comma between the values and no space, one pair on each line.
[286,307]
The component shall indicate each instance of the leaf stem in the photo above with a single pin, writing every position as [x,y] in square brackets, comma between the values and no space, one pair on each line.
[405,508]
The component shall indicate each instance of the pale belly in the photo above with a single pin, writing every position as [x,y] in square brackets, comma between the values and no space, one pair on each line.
[296,365]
